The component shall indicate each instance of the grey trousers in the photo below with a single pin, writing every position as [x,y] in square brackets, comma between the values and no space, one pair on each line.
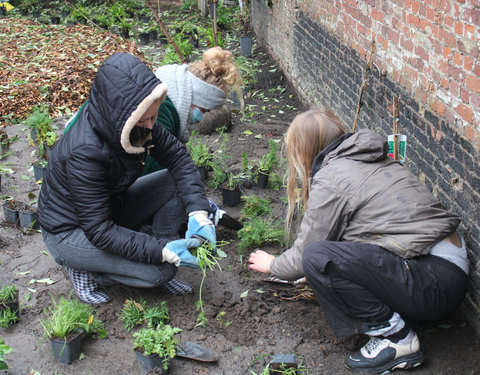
[360,286]
[154,195]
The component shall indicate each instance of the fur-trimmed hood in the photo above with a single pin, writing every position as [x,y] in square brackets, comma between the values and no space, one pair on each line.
[123,90]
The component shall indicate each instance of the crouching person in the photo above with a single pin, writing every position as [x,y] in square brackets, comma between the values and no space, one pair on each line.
[376,247]
[93,202]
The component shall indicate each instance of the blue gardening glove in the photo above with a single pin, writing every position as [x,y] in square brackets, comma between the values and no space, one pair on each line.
[176,252]
[200,225]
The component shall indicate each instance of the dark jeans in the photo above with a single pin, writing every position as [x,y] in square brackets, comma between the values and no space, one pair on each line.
[359,286]
[154,195]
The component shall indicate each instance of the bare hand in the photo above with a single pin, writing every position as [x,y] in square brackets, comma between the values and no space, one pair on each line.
[260,261]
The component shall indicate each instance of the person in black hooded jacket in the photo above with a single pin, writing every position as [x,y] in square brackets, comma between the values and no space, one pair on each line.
[93,201]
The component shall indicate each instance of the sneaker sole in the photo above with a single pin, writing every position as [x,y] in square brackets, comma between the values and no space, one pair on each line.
[405,362]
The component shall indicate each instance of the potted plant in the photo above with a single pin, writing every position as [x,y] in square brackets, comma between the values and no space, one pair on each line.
[4,143]
[265,165]
[231,193]
[9,306]
[67,322]
[246,38]
[10,210]
[28,217]
[39,167]
[201,155]
[154,347]
[38,121]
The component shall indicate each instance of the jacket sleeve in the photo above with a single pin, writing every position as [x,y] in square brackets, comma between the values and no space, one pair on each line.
[324,220]
[87,174]
[172,154]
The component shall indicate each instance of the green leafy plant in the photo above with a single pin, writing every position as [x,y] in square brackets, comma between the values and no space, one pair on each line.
[4,350]
[39,120]
[199,151]
[248,69]
[8,293]
[258,231]
[269,161]
[135,313]
[234,181]
[255,206]
[208,257]
[160,340]
[7,317]
[68,316]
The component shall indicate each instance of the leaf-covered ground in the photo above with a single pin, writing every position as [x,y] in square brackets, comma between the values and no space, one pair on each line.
[51,64]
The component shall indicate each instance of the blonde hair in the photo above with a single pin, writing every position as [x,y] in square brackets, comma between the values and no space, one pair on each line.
[217,68]
[309,133]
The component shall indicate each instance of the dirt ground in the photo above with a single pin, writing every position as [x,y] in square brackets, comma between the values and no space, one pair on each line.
[271,319]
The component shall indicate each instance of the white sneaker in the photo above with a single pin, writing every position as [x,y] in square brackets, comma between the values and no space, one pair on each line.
[382,356]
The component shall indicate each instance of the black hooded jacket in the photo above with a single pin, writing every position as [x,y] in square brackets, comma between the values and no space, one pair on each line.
[93,164]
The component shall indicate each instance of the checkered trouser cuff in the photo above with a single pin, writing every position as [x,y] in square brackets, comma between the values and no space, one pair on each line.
[177,287]
[85,287]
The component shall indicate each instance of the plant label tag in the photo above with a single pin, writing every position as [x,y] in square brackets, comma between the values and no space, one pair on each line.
[397,145]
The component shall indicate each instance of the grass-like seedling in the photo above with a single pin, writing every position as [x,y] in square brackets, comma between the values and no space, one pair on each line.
[8,293]
[136,313]
[208,257]
[7,317]
[68,316]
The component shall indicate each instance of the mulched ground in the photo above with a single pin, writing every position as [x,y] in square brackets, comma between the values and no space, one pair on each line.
[52,64]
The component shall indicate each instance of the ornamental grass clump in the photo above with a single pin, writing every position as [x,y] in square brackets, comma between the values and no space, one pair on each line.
[135,314]
[69,316]
[8,299]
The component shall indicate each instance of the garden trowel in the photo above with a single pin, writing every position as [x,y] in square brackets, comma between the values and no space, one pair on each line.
[196,352]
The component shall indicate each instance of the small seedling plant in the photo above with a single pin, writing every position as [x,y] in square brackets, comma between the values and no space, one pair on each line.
[208,257]
[4,350]
[68,316]
[258,231]
[8,294]
[135,314]
[160,340]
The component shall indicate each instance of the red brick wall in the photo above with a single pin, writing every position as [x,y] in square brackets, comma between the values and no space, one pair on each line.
[426,53]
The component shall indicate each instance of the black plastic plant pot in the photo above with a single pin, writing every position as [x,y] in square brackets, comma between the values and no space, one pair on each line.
[28,217]
[149,362]
[67,351]
[231,197]
[246,45]
[153,35]
[203,172]
[11,211]
[260,180]
[283,362]
[144,38]
[38,170]
[33,135]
